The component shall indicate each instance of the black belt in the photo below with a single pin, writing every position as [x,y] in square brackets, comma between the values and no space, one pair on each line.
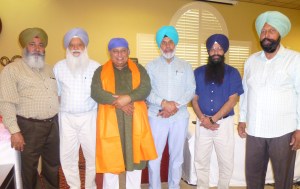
[220,118]
[38,120]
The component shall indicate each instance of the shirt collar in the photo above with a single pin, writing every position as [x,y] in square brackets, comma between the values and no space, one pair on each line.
[279,53]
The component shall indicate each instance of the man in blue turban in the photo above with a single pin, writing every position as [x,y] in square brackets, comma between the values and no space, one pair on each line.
[270,106]
[78,111]
[218,87]
[124,140]
[173,87]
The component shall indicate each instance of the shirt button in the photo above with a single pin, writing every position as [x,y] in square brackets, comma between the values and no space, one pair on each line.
[211,109]
[211,100]
[213,83]
[212,91]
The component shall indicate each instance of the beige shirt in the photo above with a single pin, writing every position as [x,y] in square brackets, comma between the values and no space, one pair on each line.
[27,92]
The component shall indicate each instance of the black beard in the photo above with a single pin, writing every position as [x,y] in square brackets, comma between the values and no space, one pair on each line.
[215,70]
[272,46]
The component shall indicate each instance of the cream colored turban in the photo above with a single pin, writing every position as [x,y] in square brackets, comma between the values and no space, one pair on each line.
[28,34]
[276,19]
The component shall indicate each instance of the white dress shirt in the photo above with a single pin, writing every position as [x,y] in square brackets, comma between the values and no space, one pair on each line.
[75,92]
[271,103]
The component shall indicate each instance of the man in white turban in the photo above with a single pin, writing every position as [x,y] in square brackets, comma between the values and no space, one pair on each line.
[270,106]
[78,111]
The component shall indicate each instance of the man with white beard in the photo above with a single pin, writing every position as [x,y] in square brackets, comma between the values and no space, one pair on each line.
[173,87]
[78,111]
[29,106]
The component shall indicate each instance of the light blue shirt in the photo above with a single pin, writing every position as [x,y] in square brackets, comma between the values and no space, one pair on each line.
[75,92]
[172,81]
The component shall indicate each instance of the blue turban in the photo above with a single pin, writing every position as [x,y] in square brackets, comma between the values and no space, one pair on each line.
[76,32]
[168,31]
[221,39]
[276,19]
[117,42]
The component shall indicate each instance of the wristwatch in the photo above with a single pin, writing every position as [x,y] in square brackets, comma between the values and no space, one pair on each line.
[211,120]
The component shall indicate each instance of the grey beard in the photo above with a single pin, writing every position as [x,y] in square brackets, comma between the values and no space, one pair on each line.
[77,65]
[168,55]
[36,61]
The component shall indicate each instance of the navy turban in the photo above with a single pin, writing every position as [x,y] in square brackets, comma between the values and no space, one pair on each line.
[221,39]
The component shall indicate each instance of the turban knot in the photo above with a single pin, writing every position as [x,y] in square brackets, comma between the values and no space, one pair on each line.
[76,32]
[28,34]
[166,31]
[221,39]
[276,19]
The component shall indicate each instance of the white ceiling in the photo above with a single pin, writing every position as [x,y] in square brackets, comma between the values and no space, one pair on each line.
[292,4]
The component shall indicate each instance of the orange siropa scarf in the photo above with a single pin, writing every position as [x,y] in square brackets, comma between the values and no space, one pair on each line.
[109,156]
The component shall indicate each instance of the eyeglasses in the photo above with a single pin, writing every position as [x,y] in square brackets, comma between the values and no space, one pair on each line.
[270,31]
[216,49]
[35,46]
[167,43]
[121,51]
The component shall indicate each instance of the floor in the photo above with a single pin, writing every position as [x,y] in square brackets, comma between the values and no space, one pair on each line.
[184,185]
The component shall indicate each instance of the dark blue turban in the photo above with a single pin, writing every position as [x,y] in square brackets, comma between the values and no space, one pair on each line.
[221,39]
[117,42]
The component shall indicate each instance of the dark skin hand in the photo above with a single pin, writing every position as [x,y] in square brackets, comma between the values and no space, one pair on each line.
[17,141]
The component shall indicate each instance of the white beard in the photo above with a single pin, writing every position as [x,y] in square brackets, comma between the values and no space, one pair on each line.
[77,64]
[168,55]
[34,60]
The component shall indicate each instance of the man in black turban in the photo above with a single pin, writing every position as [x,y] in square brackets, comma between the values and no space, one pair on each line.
[218,87]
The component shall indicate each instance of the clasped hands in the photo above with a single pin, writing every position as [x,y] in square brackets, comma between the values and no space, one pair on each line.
[205,122]
[169,108]
[123,102]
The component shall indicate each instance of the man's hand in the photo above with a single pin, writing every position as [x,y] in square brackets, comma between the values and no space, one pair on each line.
[121,100]
[17,141]
[205,122]
[169,108]
[295,141]
[242,129]
[128,109]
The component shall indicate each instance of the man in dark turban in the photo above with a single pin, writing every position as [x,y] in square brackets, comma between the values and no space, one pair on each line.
[29,106]
[124,140]
[218,87]
[270,106]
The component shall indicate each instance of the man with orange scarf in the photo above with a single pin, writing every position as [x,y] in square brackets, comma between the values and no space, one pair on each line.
[124,139]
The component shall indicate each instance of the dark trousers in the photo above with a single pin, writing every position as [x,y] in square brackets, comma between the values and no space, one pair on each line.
[41,140]
[278,150]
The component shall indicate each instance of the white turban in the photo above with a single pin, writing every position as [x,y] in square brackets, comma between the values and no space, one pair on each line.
[76,32]
[276,19]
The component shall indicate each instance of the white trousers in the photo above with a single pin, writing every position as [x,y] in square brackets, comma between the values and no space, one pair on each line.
[223,142]
[78,130]
[133,180]
[175,132]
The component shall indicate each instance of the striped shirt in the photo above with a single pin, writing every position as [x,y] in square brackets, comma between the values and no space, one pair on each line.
[173,82]
[271,103]
[75,92]
[27,92]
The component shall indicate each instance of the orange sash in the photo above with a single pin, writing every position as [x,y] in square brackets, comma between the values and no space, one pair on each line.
[109,156]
